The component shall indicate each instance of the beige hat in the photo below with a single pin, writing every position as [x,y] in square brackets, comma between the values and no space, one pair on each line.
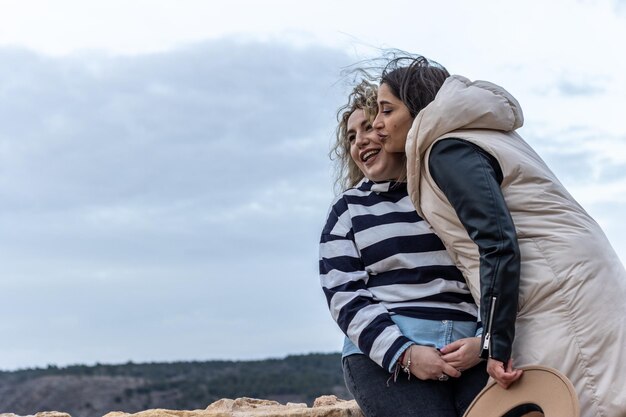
[541,391]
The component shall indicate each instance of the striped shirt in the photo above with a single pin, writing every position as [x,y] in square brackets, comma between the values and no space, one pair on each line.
[378,258]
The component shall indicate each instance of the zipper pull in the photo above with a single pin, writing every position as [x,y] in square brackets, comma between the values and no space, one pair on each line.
[489,324]
[486,344]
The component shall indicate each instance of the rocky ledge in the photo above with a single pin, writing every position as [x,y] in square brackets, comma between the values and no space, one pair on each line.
[325,406]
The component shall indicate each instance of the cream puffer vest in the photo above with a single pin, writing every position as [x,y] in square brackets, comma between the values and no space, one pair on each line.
[572,298]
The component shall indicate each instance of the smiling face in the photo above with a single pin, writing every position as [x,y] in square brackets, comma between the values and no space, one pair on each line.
[393,120]
[367,151]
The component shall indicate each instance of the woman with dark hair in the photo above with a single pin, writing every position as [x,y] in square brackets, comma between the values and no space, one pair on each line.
[550,287]
[391,286]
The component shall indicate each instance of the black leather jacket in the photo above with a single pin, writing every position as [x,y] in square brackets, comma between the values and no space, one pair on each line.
[470,178]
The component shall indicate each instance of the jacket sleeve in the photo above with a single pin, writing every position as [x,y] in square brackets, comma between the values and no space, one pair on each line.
[344,280]
[470,179]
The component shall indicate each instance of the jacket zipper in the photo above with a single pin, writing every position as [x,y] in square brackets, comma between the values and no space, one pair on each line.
[488,334]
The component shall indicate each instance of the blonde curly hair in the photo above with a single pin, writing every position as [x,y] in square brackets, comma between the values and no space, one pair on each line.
[363,97]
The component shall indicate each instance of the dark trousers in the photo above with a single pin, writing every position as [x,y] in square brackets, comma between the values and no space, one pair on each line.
[379,396]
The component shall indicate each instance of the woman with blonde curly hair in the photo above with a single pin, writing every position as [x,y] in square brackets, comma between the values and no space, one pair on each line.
[362,97]
[391,286]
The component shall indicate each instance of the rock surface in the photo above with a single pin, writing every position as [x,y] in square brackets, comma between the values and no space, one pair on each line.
[42,414]
[325,406]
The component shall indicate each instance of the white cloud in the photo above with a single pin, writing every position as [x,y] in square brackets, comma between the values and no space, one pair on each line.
[130,183]
[163,168]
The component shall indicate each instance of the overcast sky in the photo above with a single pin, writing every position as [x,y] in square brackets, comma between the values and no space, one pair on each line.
[163,164]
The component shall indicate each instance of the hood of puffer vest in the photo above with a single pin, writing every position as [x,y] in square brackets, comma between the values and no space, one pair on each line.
[463,104]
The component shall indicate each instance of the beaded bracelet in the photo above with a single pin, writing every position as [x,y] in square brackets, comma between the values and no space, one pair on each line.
[407,368]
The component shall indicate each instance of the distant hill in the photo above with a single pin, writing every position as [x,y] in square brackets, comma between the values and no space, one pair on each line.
[90,391]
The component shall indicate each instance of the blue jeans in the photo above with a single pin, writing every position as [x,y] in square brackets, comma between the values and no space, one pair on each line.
[367,382]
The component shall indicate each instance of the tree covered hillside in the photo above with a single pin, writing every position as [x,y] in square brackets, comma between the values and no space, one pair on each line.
[87,391]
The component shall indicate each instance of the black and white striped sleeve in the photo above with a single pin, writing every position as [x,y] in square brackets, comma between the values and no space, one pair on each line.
[344,280]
